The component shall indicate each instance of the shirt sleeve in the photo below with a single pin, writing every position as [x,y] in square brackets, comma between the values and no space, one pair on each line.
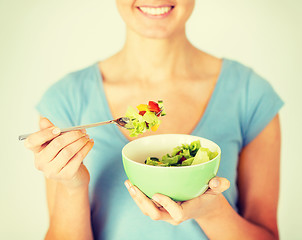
[262,105]
[58,103]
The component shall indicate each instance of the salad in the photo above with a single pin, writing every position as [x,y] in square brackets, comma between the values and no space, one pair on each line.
[184,155]
[146,117]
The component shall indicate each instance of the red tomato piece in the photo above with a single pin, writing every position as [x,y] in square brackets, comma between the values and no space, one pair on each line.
[182,159]
[142,113]
[153,107]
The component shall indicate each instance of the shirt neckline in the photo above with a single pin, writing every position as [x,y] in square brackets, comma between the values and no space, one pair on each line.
[213,98]
[202,120]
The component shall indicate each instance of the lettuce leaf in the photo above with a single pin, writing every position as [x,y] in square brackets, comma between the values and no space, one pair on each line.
[184,155]
[141,123]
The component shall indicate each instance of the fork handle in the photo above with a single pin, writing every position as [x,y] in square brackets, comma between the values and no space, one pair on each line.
[24,136]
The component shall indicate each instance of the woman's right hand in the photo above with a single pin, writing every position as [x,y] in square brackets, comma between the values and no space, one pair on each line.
[60,156]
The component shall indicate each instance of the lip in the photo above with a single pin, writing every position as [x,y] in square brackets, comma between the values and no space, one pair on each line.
[156,16]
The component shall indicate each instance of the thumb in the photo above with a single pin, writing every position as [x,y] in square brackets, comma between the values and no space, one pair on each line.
[45,123]
[219,184]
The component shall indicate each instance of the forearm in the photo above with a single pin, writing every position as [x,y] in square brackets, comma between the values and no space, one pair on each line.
[226,223]
[70,216]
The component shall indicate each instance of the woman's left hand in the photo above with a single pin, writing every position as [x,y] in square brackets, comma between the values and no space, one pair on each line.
[161,207]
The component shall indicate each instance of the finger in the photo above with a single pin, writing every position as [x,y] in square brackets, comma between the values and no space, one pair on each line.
[67,153]
[37,139]
[45,123]
[145,204]
[157,204]
[218,185]
[60,142]
[174,209]
[73,165]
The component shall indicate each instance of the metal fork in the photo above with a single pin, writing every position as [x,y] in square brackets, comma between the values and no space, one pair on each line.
[122,122]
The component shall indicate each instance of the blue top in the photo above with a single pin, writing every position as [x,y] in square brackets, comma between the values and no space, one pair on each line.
[241,105]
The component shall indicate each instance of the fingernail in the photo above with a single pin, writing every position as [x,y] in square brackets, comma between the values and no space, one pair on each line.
[87,136]
[132,190]
[56,131]
[215,183]
[91,140]
[127,185]
[83,131]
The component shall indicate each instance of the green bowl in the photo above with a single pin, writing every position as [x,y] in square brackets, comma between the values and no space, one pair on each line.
[178,183]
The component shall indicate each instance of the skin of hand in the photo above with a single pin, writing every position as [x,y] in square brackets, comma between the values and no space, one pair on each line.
[60,156]
[161,207]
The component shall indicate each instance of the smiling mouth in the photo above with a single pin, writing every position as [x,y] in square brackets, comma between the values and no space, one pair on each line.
[156,11]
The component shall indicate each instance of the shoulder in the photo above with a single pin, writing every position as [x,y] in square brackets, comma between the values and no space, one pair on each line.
[63,101]
[244,79]
[239,72]
[255,86]
[74,86]
[77,79]
[257,99]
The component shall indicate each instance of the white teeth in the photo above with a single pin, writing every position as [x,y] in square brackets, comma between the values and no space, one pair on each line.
[155,11]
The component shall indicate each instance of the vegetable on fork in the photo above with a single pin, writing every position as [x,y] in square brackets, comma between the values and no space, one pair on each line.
[146,118]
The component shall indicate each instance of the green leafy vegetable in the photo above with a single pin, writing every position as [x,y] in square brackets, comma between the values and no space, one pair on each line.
[146,118]
[184,155]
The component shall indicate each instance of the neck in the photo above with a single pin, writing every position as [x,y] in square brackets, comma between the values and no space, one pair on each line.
[157,59]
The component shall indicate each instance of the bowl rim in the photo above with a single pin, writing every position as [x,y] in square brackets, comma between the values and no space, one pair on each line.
[176,167]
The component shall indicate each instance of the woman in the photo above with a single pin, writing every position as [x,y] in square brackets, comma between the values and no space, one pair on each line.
[214,98]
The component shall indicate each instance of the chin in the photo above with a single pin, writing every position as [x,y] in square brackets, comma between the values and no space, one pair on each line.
[156,33]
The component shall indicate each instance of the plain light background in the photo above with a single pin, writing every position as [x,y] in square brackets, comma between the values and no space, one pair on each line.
[42,40]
